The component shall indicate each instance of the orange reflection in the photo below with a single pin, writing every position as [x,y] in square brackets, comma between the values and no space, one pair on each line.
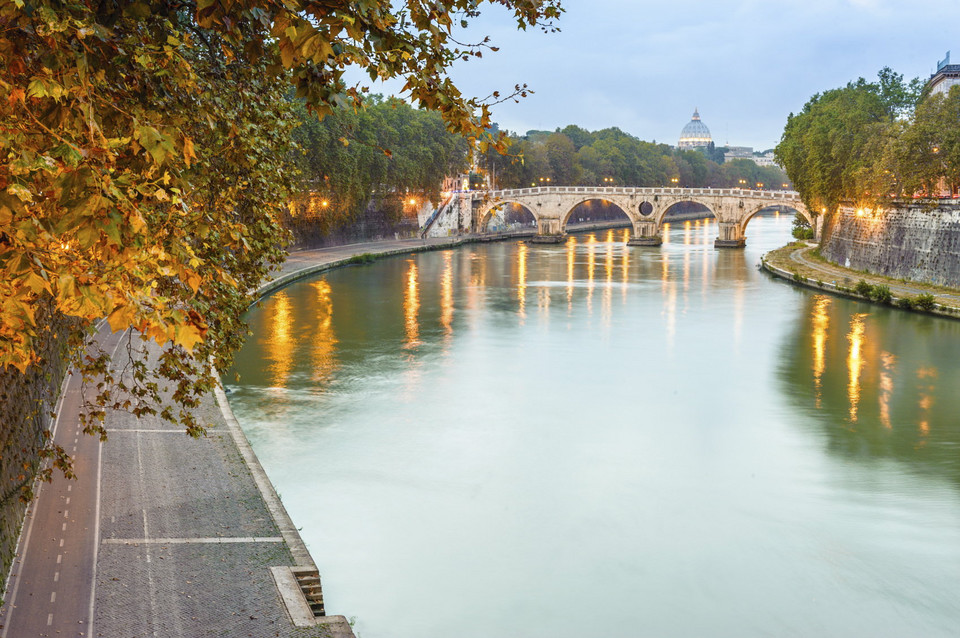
[821,321]
[927,391]
[446,294]
[687,235]
[625,267]
[280,344]
[411,307]
[325,340]
[887,362]
[608,266]
[626,235]
[855,363]
[571,261]
[591,264]
[522,281]
[665,232]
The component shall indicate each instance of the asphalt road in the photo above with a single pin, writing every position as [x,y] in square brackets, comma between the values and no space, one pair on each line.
[52,588]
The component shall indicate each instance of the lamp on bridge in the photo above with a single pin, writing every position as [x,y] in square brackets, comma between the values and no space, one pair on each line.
[760,185]
[608,180]
[674,180]
[743,183]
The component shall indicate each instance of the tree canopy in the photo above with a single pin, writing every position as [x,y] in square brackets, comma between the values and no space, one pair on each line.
[573,156]
[868,142]
[383,153]
[146,150]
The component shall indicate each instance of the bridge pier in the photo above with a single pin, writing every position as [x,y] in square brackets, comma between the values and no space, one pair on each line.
[730,236]
[645,233]
[548,232]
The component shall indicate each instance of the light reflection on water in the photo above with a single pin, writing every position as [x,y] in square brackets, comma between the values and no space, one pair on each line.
[713,453]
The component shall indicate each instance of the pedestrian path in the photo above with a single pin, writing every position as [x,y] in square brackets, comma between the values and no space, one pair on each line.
[799,263]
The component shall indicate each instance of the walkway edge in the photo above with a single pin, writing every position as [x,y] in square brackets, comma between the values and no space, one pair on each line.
[824,286]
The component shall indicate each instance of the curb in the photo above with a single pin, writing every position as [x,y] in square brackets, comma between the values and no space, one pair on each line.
[794,278]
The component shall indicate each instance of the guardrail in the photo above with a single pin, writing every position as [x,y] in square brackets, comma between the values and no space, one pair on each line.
[625,190]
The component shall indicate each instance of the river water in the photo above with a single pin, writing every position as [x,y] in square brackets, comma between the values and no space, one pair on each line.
[589,439]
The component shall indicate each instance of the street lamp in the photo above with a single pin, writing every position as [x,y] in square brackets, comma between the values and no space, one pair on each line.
[674,180]
[760,185]
[743,183]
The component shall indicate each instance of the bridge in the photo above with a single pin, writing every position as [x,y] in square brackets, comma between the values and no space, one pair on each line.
[646,208]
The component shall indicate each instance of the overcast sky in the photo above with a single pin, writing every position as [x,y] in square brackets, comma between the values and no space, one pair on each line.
[746,64]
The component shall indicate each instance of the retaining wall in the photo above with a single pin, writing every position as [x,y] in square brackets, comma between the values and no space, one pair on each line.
[917,242]
[26,403]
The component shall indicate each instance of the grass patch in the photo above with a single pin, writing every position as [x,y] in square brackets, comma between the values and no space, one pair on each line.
[365,258]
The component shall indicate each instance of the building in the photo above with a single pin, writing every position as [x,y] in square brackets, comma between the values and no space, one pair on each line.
[695,134]
[738,152]
[766,159]
[946,76]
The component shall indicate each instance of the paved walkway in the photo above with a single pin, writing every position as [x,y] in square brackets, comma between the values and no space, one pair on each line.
[797,259]
[164,535]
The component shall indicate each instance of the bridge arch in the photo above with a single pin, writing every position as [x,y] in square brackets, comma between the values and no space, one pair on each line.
[565,218]
[756,207]
[488,211]
[663,206]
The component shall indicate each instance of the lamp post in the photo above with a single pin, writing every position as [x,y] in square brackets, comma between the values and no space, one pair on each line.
[675,181]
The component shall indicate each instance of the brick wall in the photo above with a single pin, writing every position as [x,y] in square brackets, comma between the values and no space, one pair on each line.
[914,242]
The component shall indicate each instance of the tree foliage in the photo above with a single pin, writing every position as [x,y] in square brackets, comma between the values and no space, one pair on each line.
[145,149]
[383,153]
[610,157]
[868,142]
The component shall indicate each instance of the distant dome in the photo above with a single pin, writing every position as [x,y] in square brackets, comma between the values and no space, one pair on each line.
[695,133]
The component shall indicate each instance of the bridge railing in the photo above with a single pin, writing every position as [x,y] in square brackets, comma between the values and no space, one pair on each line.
[626,190]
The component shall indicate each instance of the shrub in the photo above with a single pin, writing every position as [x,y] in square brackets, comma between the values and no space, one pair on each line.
[863,288]
[881,294]
[925,302]
[905,302]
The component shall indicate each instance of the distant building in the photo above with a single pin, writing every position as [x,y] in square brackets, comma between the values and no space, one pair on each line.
[695,134]
[946,76]
[738,152]
[766,159]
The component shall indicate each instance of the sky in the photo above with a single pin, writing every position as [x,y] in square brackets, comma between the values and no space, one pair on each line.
[746,65]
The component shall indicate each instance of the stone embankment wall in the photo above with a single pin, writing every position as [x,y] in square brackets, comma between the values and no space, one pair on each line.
[915,242]
[26,403]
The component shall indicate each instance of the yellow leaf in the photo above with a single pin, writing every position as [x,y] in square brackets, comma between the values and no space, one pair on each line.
[188,153]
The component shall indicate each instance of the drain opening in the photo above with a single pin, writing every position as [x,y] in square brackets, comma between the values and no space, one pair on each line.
[309,582]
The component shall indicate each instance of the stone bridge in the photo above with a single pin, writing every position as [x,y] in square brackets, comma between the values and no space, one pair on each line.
[552,206]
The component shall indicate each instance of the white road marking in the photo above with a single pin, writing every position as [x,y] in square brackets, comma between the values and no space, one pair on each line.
[59,558]
[56,577]
[25,539]
[53,596]
[69,488]
[198,539]
[63,527]
[96,514]
[68,501]
[61,542]
[49,619]
[66,513]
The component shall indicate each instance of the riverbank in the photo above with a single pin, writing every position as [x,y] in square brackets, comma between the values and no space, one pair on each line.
[801,264]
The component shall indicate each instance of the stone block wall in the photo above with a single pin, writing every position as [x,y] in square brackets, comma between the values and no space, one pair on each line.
[915,242]
[26,402]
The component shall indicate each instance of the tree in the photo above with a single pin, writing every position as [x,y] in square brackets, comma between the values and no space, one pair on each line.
[145,148]
[839,147]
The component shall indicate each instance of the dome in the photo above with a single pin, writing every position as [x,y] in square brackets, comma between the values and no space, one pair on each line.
[695,133]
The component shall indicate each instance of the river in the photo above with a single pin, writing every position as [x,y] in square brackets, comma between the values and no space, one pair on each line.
[588,439]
